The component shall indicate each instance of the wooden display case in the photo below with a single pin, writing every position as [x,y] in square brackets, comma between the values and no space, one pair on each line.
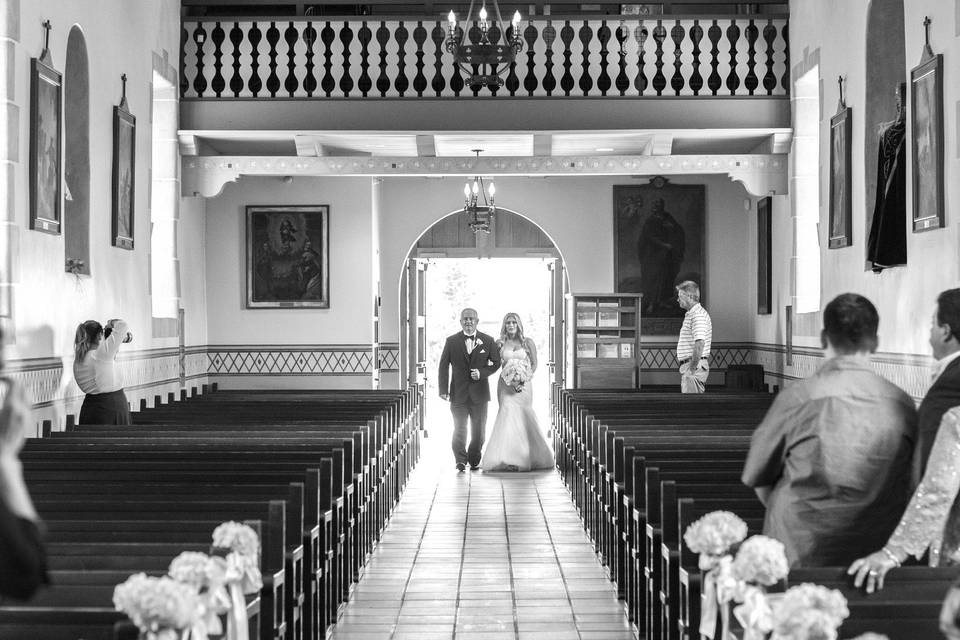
[604,339]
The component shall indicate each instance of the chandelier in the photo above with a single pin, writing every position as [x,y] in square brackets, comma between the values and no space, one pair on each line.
[480,214]
[485,47]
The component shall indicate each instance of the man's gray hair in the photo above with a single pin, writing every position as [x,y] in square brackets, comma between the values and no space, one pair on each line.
[691,288]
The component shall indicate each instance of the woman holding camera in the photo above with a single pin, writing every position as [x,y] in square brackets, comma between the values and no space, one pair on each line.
[94,369]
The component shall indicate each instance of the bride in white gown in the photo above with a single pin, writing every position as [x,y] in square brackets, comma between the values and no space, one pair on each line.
[516,442]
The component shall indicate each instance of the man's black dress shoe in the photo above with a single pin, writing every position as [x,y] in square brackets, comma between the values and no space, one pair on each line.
[461,466]
[474,467]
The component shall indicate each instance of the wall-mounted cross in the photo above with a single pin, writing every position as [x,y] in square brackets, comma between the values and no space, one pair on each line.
[46,37]
[123,95]
[926,30]
[842,103]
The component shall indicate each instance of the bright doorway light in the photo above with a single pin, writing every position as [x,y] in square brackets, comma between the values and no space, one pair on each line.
[493,287]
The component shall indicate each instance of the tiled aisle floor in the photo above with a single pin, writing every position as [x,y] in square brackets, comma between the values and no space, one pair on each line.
[476,556]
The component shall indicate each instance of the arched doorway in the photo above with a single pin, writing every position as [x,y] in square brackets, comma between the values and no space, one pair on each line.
[512,237]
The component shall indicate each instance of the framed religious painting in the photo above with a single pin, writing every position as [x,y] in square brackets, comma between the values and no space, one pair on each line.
[124,158]
[764,255]
[287,250]
[926,143]
[658,235]
[45,168]
[841,204]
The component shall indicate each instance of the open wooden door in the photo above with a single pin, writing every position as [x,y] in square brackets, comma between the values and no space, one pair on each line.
[556,361]
[414,348]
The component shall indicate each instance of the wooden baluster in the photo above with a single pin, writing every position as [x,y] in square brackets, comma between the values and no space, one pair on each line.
[437,35]
[346,80]
[530,82]
[199,38]
[327,83]
[273,80]
[677,34]
[714,81]
[218,83]
[549,36]
[474,35]
[696,80]
[420,80]
[659,80]
[456,80]
[769,35]
[641,33]
[255,84]
[751,82]
[603,81]
[310,79]
[566,36]
[622,81]
[494,35]
[291,36]
[383,82]
[586,35]
[236,80]
[184,38]
[785,78]
[401,83]
[365,83]
[512,82]
[733,80]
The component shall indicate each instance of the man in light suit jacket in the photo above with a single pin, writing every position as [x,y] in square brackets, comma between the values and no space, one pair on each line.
[944,392]
[473,356]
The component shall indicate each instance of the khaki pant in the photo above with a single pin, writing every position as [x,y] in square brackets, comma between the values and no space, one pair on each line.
[694,380]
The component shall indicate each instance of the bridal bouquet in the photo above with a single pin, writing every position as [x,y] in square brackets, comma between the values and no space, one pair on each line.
[516,373]
[162,608]
[809,612]
[209,576]
[713,536]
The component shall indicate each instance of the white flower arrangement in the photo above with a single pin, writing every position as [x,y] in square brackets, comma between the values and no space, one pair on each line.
[762,561]
[870,635]
[208,574]
[242,545]
[516,372]
[809,612]
[160,607]
[237,537]
[712,536]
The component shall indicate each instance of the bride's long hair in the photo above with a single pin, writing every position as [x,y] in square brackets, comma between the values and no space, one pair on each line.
[520,337]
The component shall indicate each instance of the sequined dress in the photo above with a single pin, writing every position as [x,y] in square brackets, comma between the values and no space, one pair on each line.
[932,519]
[516,442]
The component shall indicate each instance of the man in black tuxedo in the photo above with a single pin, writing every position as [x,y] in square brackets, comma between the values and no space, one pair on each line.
[473,357]
[944,393]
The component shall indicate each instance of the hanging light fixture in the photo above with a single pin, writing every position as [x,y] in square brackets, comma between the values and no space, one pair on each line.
[485,47]
[480,214]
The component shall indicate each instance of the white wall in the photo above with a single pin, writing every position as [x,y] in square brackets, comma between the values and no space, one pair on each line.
[121,37]
[347,321]
[577,213]
[904,296]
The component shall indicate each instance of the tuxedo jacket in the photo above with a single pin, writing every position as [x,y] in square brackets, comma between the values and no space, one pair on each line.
[944,394]
[485,357]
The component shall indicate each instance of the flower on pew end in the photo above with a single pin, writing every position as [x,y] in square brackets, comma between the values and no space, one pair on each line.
[237,537]
[209,575]
[761,560]
[809,612]
[870,635]
[712,536]
[160,607]
[245,571]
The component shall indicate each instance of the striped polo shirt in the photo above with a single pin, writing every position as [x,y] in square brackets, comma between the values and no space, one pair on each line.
[696,326]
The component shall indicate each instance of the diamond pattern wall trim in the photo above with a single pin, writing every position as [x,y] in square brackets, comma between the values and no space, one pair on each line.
[295,360]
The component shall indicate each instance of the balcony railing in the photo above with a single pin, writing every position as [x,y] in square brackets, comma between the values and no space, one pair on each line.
[356,58]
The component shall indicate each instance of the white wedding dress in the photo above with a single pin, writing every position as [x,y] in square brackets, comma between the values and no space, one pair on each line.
[516,442]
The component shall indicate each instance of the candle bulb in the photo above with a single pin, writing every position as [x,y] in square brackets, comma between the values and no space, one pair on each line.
[483,16]
[476,188]
[516,19]
[452,19]
[466,190]
[492,190]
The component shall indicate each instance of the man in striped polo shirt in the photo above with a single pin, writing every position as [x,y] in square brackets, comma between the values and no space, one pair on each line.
[696,334]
